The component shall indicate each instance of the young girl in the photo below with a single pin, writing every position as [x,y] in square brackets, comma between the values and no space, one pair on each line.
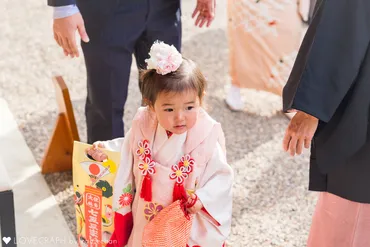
[174,150]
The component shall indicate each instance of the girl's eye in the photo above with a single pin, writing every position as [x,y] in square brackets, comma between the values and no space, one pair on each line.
[168,110]
[190,108]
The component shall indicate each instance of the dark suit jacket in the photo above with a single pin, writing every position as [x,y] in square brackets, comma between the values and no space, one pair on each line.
[331,81]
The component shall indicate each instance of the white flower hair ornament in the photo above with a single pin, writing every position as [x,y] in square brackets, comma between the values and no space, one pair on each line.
[163,58]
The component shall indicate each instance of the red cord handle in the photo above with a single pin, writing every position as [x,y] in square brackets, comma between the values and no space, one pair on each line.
[193,201]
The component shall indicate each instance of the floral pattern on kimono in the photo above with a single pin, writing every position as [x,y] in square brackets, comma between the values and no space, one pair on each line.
[200,156]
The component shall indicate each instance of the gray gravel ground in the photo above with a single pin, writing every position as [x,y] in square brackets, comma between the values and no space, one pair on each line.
[272,206]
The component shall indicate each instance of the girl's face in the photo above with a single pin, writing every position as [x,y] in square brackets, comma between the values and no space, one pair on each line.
[177,112]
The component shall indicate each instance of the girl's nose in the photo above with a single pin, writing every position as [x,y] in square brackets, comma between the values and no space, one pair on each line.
[179,115]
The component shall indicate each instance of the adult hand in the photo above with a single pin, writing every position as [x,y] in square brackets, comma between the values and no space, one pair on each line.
[64,33]
[299,133]
[205,12]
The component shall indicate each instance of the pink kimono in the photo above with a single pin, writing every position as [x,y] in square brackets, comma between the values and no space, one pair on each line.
[196,160]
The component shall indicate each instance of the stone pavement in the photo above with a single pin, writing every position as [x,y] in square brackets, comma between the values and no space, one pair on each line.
[272,206]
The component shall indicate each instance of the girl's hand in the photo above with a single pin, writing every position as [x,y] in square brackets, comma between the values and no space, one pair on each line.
[197,204]
[96,153]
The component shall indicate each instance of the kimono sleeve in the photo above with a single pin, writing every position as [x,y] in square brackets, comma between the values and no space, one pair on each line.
[114,145]
[123,195]
[340,35]
[215,191]
[124,182]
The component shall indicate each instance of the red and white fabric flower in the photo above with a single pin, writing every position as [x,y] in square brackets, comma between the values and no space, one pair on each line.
[143,150]
[147,166]
[125,199]
[187,162]
[179,173]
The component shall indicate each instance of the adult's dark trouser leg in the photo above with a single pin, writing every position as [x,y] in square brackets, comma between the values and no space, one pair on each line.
[164,24]
[106,91]
[108,58]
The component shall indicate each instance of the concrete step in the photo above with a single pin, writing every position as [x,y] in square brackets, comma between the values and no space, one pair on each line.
[39,220]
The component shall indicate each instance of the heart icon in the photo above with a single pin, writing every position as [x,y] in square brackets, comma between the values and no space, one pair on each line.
[6,240]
